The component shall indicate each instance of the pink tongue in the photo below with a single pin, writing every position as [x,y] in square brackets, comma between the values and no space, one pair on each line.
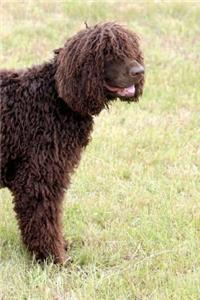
[127,91]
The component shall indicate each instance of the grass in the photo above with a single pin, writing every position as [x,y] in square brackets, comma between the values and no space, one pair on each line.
[132,214]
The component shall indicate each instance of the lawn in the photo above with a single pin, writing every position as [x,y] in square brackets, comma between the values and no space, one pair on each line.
[132,214]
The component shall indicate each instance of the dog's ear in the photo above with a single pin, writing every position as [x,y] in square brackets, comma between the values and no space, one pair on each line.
[79,78]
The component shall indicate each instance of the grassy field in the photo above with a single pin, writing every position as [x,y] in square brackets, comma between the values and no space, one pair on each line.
[132,214]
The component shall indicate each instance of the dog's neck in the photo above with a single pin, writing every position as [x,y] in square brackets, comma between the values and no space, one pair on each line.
[42,83]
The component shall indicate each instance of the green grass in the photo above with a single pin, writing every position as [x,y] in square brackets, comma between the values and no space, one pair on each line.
[132,214]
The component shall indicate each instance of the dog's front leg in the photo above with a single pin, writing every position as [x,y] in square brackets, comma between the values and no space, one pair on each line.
[38,211]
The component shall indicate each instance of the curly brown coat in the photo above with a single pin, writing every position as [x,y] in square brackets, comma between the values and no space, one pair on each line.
[47,117]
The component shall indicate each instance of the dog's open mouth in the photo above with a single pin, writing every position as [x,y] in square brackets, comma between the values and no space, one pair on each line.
[123,92]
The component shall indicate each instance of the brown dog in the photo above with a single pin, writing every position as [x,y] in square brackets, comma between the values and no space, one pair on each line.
[47,117]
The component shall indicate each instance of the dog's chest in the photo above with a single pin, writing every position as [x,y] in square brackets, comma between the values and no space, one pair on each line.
[76,131]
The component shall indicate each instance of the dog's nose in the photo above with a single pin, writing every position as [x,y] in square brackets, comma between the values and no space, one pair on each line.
[136,70]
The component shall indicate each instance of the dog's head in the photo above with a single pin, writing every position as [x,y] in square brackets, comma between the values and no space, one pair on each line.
[99,64]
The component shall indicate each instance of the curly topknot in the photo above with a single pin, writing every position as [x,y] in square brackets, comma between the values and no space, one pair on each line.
[80,69]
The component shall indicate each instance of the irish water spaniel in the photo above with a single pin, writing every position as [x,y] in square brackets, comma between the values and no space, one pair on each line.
[47,114]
